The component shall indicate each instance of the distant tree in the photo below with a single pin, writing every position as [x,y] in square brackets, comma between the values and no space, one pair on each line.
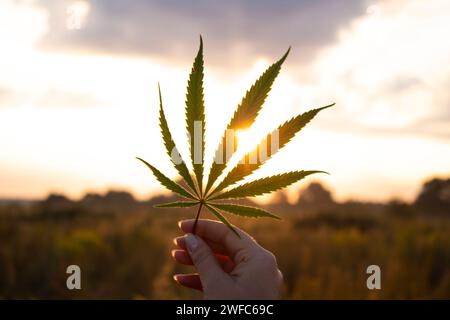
[155,199]
[112,202]
[92,198]
[119,197]
[434,197]
[58,206]
[315,194]
[400,209]
[55,199]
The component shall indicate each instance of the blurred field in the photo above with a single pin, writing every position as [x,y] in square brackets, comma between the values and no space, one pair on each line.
[323,248]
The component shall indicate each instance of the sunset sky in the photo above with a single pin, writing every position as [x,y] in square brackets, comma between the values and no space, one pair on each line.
[78,89]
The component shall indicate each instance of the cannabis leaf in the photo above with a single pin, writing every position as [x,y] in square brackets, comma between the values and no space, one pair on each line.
[264,185]
[246,113]
[195,116]
[171,148]
[180,204]
[244,116]
[284,134]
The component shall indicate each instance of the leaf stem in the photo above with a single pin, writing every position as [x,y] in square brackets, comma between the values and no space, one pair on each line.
[196,217]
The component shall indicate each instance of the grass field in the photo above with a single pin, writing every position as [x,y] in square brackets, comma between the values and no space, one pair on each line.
[123,250]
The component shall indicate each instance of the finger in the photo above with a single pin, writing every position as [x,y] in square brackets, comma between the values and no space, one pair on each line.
[189,280]
[220,233]
[182,256]
[215,247]
[204,261]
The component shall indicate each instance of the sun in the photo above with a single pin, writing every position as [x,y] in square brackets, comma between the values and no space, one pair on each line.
[247,140]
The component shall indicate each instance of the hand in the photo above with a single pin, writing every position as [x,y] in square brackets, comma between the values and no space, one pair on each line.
[228,267]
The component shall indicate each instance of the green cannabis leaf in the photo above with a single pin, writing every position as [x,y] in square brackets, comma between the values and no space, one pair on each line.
[211,197]
[195,116]
[244,116]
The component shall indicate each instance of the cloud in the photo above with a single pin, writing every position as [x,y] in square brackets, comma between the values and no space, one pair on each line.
[56,98]
[233,30]
[389,73]
[52,98]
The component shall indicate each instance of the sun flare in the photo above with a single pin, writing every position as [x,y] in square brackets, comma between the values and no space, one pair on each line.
[247,140]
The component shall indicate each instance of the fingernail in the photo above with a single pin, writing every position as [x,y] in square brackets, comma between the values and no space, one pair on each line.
[179,224]
[191,242]
[178,241]
[175,277]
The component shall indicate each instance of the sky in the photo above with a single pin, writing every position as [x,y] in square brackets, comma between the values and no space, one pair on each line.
[78,90]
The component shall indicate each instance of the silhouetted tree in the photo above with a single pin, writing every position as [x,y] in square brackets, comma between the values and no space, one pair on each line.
[121,197]
[434,197]
[92,199]
[315,194]
[400,209]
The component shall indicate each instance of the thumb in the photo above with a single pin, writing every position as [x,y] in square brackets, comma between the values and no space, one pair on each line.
[204,260]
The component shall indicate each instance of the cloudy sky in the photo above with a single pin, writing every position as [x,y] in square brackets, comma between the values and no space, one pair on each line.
[78,89]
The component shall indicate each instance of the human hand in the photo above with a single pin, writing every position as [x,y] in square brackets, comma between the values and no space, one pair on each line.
[228,267]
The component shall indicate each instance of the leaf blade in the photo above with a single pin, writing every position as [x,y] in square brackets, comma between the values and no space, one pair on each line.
[245,211]
[195,114]
[178,204]
[219,216]
[166,182]
[245,115]
[285,133]
[264,185]
[171,147]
